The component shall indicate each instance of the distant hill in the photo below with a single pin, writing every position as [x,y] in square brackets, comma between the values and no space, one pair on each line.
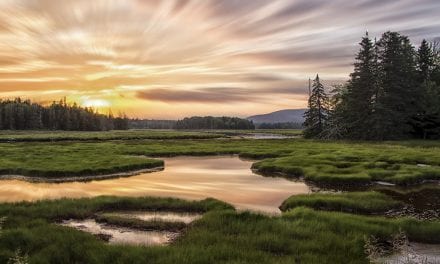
[282,116]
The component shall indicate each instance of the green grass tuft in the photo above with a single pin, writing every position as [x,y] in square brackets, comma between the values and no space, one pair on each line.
[352,202]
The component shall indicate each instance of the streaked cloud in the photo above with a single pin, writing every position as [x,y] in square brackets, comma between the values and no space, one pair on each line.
[174,58]
[217,95]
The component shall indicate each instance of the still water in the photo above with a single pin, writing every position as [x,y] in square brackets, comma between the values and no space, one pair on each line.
[159,216]
[226,178]
[118,235]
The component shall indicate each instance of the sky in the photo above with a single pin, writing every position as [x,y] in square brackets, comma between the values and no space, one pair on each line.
[167,59]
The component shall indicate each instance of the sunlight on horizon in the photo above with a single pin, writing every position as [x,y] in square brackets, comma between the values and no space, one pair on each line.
[96,103]
[170,59]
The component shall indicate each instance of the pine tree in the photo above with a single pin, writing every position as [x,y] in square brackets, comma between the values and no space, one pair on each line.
[393,93]
[435,47]
[398,94]
[316,116]
[357,102]
[427,120]
[425,61]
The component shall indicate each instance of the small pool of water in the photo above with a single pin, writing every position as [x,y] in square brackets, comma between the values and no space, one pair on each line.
[119,235]
[159,216]
[226,178]
[264,136]
[415,253]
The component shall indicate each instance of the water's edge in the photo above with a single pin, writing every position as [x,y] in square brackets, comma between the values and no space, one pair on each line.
[79,178]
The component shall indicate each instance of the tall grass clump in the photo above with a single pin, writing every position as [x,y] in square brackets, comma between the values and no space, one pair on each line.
[352,202]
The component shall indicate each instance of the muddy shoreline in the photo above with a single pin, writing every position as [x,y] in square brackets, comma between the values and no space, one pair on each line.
[79,178]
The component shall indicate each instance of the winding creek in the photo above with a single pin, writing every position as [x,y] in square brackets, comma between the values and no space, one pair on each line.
[226,178]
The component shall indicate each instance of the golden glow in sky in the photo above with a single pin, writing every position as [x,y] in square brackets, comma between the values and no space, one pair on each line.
[175,58]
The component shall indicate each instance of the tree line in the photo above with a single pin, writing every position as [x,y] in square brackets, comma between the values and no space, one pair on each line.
[151,124]
[393,93]
[172,124]
[210,122]
[19,114]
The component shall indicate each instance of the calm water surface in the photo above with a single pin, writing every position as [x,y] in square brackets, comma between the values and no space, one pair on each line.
[119,235]
[415,253]
[159,216]
[226,178]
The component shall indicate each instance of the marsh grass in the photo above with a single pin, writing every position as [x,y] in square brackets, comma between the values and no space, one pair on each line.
[55,136]
[72,159]
[222,235]
[355,163]
[300,235]
[321,162]
[351,202]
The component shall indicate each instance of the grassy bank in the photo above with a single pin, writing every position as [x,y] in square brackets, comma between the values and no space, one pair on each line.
[326,163]
[55,136]
[155,134]
[52,160]
[220,236]
[352,202]
[336,163]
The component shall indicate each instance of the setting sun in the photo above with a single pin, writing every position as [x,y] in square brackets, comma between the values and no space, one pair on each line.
[96,103]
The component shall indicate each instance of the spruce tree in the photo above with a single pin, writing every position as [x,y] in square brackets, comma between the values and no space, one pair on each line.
[393,93]
[357,102]
[427,120]
[398,94]
[435,47]
[425,61]
[316,116]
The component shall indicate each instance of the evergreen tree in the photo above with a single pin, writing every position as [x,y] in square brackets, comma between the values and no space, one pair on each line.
[427,120]
[357,102]
[398,93]
[393,93]
[318,110]
[425,61]
[435,77]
